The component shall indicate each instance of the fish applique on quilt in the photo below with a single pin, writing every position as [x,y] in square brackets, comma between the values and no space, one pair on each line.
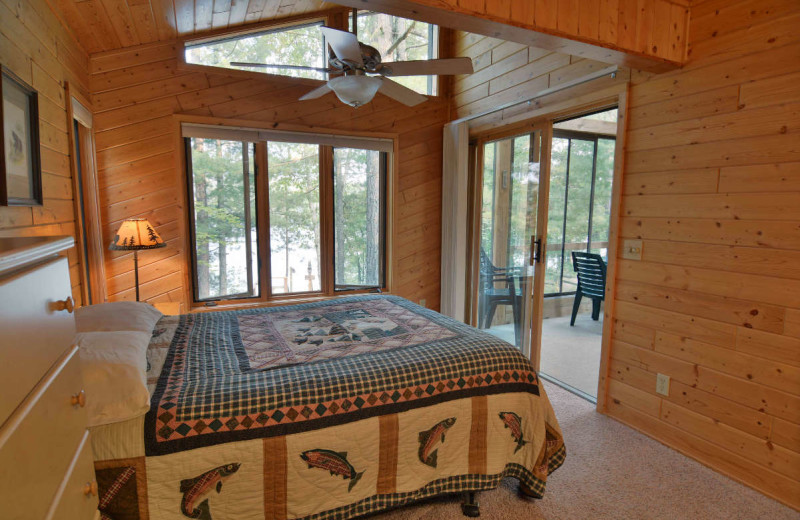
[513,422]
[196,491]
[429,441]
[334,462]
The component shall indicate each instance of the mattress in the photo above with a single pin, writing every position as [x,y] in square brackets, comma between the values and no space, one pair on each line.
[324,410]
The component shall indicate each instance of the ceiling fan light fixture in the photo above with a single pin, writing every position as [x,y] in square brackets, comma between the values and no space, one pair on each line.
[355,90]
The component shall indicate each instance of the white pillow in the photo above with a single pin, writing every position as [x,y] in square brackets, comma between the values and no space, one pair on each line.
[114,316]
[114,366]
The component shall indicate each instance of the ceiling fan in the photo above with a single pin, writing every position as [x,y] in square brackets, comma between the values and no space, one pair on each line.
[363,74]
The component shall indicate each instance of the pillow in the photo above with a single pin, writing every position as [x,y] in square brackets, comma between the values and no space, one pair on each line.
[114,367]
[115,316]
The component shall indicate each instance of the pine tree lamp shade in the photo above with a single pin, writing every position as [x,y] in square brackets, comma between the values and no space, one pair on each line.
[133,235]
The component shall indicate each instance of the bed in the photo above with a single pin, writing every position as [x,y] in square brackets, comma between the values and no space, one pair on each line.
[326,410]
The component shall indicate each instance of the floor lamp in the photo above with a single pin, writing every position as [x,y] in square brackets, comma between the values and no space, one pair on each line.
[133,235]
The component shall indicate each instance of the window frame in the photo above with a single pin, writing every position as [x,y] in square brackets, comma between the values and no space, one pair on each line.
[590,137]
[261,181]
[274,27]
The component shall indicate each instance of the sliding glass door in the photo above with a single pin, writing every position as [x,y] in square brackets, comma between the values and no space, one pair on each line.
[507,246]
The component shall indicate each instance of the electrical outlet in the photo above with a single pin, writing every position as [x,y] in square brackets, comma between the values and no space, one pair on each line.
[422,302]
[662,384]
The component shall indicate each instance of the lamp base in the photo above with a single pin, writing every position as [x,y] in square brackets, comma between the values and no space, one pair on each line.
[136,271]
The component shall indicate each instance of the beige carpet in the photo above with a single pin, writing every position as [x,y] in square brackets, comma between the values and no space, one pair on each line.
[613,472]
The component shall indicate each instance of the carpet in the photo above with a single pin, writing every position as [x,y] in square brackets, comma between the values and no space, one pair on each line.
[612,472]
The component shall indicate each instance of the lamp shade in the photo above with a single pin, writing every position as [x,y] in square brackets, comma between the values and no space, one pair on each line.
[355,90]
[135,234]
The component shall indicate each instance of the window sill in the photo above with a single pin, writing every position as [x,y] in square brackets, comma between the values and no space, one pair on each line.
[199,307]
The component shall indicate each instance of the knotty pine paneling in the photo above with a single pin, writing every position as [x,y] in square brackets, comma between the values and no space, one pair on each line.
[645,34]
[37,48]
[137,91]
[506,72]
[712,188]
[102,25]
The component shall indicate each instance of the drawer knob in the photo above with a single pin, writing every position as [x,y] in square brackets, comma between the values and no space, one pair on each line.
[64,305]
[90,489]
[79,399]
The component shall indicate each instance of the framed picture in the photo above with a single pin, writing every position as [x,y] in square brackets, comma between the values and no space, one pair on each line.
[20,168]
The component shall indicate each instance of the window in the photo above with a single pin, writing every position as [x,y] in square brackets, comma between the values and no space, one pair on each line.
[223,206]
[358,192]
[294,45]
[315,222]
[401,39]
[294,195]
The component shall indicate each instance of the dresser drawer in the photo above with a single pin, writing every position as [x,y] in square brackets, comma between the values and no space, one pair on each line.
[77,495]
[34,334]
[39,441]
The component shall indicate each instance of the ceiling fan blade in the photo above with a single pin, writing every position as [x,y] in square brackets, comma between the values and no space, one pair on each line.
[344,44]
[400,93]
[277,66]
[427,67]
[317,92]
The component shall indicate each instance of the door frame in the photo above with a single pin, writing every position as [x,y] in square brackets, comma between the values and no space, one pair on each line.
[89,245]
[618,98]
[532,312]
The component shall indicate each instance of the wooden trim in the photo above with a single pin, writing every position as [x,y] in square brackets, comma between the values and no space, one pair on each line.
[275,125]
[262,222]
[541,234]
[90,248]
[327,226]
[613,248]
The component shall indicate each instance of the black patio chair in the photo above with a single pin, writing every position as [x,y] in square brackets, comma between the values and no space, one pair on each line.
[591,271]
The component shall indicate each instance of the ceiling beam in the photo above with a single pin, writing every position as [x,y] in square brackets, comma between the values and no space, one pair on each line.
[642,53]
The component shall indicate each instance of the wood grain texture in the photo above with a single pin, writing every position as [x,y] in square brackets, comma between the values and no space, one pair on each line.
[713,192]
[35,46]
[591,29]
[138,155]
[711,187]
[103,25]
[507,72]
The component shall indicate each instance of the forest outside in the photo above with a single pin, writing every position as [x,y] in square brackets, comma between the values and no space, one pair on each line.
[226,207]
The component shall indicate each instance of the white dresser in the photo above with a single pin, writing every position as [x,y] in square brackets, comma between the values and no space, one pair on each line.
[46,466]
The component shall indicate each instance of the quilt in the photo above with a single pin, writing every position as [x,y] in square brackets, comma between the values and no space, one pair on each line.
[326,410]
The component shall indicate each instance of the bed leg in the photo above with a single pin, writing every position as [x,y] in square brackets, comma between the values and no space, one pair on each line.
[526,493]
[470,505]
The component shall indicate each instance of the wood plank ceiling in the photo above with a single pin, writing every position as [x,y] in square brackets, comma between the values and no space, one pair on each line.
[103,25]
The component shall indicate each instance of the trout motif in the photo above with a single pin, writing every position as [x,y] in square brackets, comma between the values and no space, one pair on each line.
[513,422]
[430,439]
[196,491]
[334,462]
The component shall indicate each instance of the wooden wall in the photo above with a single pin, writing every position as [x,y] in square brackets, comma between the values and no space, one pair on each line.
[712,187]
[35,47]
[135,92]
[506,72]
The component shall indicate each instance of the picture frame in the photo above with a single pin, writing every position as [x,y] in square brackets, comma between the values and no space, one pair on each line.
[20,156]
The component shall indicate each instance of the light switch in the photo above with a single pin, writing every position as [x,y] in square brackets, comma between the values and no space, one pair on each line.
[632,249]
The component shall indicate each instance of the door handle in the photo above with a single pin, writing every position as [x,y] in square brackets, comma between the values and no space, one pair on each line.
[536,250]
